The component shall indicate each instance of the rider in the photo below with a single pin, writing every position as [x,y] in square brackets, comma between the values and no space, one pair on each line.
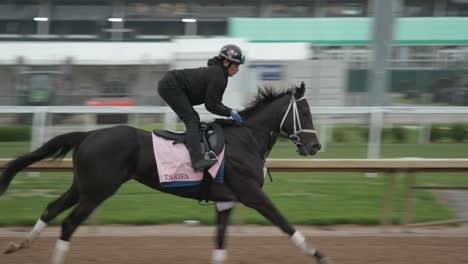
[182,89]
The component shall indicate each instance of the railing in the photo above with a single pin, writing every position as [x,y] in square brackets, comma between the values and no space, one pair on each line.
[375,117]
[387,166]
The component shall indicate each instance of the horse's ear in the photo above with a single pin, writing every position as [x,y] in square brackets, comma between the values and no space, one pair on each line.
[300,91]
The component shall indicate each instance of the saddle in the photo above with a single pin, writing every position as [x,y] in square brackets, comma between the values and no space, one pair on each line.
[211,134]
[212,144]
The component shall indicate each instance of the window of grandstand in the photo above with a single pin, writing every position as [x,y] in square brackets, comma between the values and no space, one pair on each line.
[333,53]
[17,18]
[39,87]
[451,56]
[211,28]
[359,57]
[398,52]
[171,9]
[81,10]
[348,8]
[421,52]
[156,28]
[418,8]
[82,2]
[20,27]
[80,19]
[299,9]
[21,2]
[18,10]
[140,9]
[457,8]
[421,56]
[223,9]
[90,28]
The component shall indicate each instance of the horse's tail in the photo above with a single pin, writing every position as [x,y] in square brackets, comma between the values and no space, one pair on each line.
[56,148]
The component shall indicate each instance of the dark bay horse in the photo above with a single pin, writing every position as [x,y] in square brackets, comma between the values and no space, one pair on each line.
[104,159]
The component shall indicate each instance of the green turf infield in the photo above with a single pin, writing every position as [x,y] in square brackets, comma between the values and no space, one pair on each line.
[305,198]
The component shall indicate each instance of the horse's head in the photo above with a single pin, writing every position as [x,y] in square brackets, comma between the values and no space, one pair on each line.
[297,123]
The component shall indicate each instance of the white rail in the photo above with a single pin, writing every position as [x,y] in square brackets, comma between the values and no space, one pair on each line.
[375,117]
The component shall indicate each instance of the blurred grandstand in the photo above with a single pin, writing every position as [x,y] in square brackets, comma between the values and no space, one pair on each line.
[113,52]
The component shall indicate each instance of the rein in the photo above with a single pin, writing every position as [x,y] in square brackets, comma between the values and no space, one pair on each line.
[272,139]
[271,135]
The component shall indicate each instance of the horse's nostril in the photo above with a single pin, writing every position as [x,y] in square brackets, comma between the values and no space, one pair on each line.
[317,147]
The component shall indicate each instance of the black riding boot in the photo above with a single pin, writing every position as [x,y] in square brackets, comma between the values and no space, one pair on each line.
[199,163]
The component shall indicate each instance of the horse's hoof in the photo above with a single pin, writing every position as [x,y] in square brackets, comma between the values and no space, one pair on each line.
[25,243]
[321,259]
[324,260]
[12,247]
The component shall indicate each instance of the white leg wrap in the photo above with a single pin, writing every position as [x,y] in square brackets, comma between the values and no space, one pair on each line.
[60,253]
[299,240]
[223,206]
[37,229]
[218,257]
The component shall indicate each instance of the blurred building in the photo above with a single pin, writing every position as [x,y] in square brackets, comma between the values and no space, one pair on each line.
[142,20]
[55,65]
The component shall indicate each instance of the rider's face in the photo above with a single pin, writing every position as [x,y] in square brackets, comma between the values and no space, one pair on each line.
[233,69]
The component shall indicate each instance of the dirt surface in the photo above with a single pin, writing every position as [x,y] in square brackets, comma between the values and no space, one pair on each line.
[182,244]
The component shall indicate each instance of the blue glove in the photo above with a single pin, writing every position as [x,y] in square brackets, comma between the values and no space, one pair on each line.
[237,117]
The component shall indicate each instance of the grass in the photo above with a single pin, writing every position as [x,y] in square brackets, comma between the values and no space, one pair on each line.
[284,149]
[304,198]
[13,149]
[319,199]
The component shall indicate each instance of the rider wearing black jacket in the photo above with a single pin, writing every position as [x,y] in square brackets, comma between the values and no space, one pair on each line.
[182,89]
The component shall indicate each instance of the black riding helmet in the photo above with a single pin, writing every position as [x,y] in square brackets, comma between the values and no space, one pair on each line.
[232,53]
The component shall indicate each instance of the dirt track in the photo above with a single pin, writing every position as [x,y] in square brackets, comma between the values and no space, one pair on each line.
[345,246]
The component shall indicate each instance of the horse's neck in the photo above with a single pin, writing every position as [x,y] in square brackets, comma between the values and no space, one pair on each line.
[267,121]
[269,117]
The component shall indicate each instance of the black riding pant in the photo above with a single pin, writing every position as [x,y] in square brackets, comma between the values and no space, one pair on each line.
[170,90]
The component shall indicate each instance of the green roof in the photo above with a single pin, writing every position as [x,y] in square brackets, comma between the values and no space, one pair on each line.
[354,31]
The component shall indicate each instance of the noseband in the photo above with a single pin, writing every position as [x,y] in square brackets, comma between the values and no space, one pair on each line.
[297,124]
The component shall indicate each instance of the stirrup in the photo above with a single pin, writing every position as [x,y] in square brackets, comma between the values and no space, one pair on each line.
[210,155]
[200,165]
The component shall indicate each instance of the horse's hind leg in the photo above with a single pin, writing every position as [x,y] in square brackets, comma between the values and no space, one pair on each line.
[67,200]
[69,225]
[223,211]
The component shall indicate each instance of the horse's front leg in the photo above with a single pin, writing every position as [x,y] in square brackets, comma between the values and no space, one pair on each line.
[223,211]
[251,195]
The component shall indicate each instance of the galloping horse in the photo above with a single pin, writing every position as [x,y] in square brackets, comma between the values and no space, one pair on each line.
[104,159]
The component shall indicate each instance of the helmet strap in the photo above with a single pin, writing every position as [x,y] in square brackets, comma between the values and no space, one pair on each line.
[229,65]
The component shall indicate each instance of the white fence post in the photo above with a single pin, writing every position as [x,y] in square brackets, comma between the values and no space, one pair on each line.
[425,134]
[323,136]
[375,135]
[38,132]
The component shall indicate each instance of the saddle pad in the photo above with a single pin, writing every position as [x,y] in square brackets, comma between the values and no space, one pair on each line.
[175,168]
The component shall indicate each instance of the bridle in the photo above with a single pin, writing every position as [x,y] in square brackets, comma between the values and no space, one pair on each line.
[294,136]
[297,124]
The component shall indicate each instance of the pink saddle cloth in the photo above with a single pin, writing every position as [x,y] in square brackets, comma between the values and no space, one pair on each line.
[175,167]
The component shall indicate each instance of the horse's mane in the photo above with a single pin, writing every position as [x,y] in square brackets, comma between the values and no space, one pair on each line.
[265,96]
